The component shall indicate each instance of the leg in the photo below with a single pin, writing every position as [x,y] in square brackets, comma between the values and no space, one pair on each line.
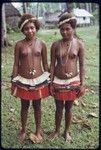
[37,137]
[58,117]
[24,112]
[68,116]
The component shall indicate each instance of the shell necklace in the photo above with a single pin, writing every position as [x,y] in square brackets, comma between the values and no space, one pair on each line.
[67,55]
[30,55]
[65,50]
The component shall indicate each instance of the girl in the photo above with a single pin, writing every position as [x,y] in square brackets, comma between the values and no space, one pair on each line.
[66,82]
[30,75]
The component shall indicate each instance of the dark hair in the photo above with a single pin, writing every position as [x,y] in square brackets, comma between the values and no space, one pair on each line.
[29,16]
[67,15]
[72,22]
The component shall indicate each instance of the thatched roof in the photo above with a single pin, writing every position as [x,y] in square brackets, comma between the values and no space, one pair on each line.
[52,17]
[10,10]
[81,13]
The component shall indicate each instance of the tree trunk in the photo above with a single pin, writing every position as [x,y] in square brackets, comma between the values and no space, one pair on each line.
[44,10]
[90,7]
[87,6]
[37,11]
[4,29]
[24,8]
[60,6]
[69,7]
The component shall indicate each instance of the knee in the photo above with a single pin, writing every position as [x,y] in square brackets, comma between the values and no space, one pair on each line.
[68,109]
[68,106]
[59,110]
[36,105]
[59,106]
[25,105]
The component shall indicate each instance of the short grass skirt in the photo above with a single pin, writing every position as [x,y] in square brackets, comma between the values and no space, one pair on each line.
[29,92]
[66,90]
[32,94]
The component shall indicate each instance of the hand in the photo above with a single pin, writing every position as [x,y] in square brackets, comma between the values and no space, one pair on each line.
[81,92]
[52,91]
[12,85]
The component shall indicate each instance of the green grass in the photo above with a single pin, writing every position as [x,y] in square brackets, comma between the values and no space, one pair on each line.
[83,137]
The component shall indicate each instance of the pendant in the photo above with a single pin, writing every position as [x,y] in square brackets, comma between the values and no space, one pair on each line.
[69,74]
[32,72]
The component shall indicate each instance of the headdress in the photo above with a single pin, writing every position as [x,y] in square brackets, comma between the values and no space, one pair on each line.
[67,18]
[27,20]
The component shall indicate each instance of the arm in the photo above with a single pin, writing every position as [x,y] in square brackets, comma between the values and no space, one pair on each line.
[16,61]
[44,57]
[52,68]
[81,64]
[53,61]
[82,70]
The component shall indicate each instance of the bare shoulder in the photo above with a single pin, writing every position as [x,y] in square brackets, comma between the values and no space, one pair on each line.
[40,42]
[80,43]
[55,44]
[19,43]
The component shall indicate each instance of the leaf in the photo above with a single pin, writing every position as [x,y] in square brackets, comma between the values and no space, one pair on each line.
[94,105]
[83,104]
[12,110]
[92,91]
[93,115]
[86,77]
[86,90]
[77,119]
[76,103]
[12,119]
[86,125]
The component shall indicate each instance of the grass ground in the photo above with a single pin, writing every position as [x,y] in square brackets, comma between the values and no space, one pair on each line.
[85,126]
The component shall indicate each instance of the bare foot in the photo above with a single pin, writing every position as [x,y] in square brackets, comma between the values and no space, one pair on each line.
[36,138]
[40,137]
[41,133]
[67,137]
[54,136]
[33,138]
[21,136]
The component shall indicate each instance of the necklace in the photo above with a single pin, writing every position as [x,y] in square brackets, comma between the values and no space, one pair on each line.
[29,42]
[32,71]
[67,52]
[67,55]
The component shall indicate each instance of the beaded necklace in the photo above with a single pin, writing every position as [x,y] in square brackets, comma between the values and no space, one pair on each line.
[67,52]
[30,57]
[67,55]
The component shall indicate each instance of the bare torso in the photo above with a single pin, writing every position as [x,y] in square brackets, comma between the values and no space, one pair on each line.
[30,58]
[66,65]
[71,67]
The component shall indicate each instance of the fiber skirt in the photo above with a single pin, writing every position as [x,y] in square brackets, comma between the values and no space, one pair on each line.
[31,89]
[68,91]
[33,94]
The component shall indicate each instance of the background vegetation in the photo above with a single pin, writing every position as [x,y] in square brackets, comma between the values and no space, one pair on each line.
[85,123]
[39,9]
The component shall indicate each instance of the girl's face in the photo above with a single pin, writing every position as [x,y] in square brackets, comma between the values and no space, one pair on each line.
[66,31]
[29,30]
